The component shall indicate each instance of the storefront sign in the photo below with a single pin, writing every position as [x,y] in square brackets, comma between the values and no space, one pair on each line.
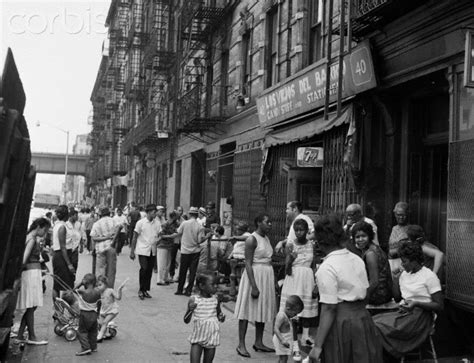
[309,157]
[307,91]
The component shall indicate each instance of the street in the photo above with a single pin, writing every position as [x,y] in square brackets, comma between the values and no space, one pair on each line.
[148,330]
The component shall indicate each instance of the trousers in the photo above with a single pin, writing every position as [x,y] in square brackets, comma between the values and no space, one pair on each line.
[173,256]
[188,262]
[146,270]
[87,332]
[163,257]
[107,265]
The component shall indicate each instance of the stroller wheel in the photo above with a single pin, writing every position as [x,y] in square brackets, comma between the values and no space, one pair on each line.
[70,334]
[112,332]
[58,329]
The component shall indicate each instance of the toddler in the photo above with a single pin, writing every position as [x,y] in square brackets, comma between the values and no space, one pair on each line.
[283,331]
[109,306]
[206,312]
[88,296]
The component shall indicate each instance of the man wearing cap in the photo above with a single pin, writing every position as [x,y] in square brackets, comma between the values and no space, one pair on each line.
[103,234]
[212,217]
[191,233]
[202,216]
[144,241]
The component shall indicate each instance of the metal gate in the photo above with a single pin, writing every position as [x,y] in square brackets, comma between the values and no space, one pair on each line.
[248,201]
[460,229]
[338,191]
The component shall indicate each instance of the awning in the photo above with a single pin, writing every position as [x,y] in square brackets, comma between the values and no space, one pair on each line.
[308,129]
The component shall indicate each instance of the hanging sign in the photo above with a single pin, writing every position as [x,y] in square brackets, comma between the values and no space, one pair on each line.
[309,157]
[306,90]
[469,60]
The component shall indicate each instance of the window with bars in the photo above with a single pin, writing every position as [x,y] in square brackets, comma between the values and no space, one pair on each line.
[315,39]
[272,41]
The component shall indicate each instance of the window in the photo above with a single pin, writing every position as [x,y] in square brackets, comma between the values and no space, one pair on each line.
[246,61]
[272,54]
[315,18]
[224,77]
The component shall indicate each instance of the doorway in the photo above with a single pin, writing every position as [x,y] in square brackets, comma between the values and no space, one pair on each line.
[428,157]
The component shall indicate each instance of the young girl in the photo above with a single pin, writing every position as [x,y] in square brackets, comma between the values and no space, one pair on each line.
[207,312]
[283,331]
[299,280]
[109,306]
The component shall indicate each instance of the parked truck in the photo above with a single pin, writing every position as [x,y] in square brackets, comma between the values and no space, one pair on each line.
[17,178]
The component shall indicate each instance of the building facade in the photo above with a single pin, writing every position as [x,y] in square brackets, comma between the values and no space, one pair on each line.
[244,103]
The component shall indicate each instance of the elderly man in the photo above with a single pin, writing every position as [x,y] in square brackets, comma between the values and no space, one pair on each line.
[353,215]
[103,234]
[144,241]
[294,211]
[212,217]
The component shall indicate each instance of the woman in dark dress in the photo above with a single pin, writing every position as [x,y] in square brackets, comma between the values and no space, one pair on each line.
[376,263]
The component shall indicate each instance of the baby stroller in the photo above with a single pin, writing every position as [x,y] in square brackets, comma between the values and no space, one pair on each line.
[66,315]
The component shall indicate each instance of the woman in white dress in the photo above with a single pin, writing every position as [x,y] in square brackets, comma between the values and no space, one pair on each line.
[256,299]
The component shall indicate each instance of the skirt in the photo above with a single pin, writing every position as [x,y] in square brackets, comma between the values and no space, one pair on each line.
[353,336]
[31,290]
[61,270]
[205,333]
[300,283]
[401,332]
[263,308]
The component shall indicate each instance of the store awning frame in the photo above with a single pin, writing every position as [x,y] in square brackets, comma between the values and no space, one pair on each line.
[308,129]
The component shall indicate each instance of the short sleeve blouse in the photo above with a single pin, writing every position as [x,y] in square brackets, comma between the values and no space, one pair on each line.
[419,286]
[342,277]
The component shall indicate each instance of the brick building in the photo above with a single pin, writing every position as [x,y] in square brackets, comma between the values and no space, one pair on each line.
[237,102]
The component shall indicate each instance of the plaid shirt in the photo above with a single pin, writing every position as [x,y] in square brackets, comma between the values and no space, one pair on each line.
[103,227]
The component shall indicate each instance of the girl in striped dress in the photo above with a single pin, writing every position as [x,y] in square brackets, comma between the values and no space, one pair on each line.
[206,312]
[299,279]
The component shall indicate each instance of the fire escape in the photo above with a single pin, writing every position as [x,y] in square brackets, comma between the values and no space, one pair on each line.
[155,71]
[198,21]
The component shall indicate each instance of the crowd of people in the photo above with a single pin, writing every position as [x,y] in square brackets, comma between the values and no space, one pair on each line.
[365,304]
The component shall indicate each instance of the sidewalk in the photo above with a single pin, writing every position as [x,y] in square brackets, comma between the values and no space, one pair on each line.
[151,330]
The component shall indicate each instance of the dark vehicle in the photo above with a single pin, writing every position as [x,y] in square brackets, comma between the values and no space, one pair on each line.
[17,178]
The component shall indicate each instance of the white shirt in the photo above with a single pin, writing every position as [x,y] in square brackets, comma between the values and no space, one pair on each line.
[374,227]
[56,246]
[105,226]
[73,235]
[291,234]
[121,221]
[191,233]
[342,277]
[419,286]
[147,236]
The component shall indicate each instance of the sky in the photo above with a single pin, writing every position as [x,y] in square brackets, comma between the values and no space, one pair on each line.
[57,46]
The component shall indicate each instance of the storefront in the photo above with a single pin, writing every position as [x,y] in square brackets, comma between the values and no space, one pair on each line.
[308,156]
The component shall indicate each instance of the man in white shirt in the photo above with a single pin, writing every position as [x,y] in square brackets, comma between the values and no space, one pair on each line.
[190,232]
[103,234]
[120,220]
[144,241]
[353,215]
[294,211]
